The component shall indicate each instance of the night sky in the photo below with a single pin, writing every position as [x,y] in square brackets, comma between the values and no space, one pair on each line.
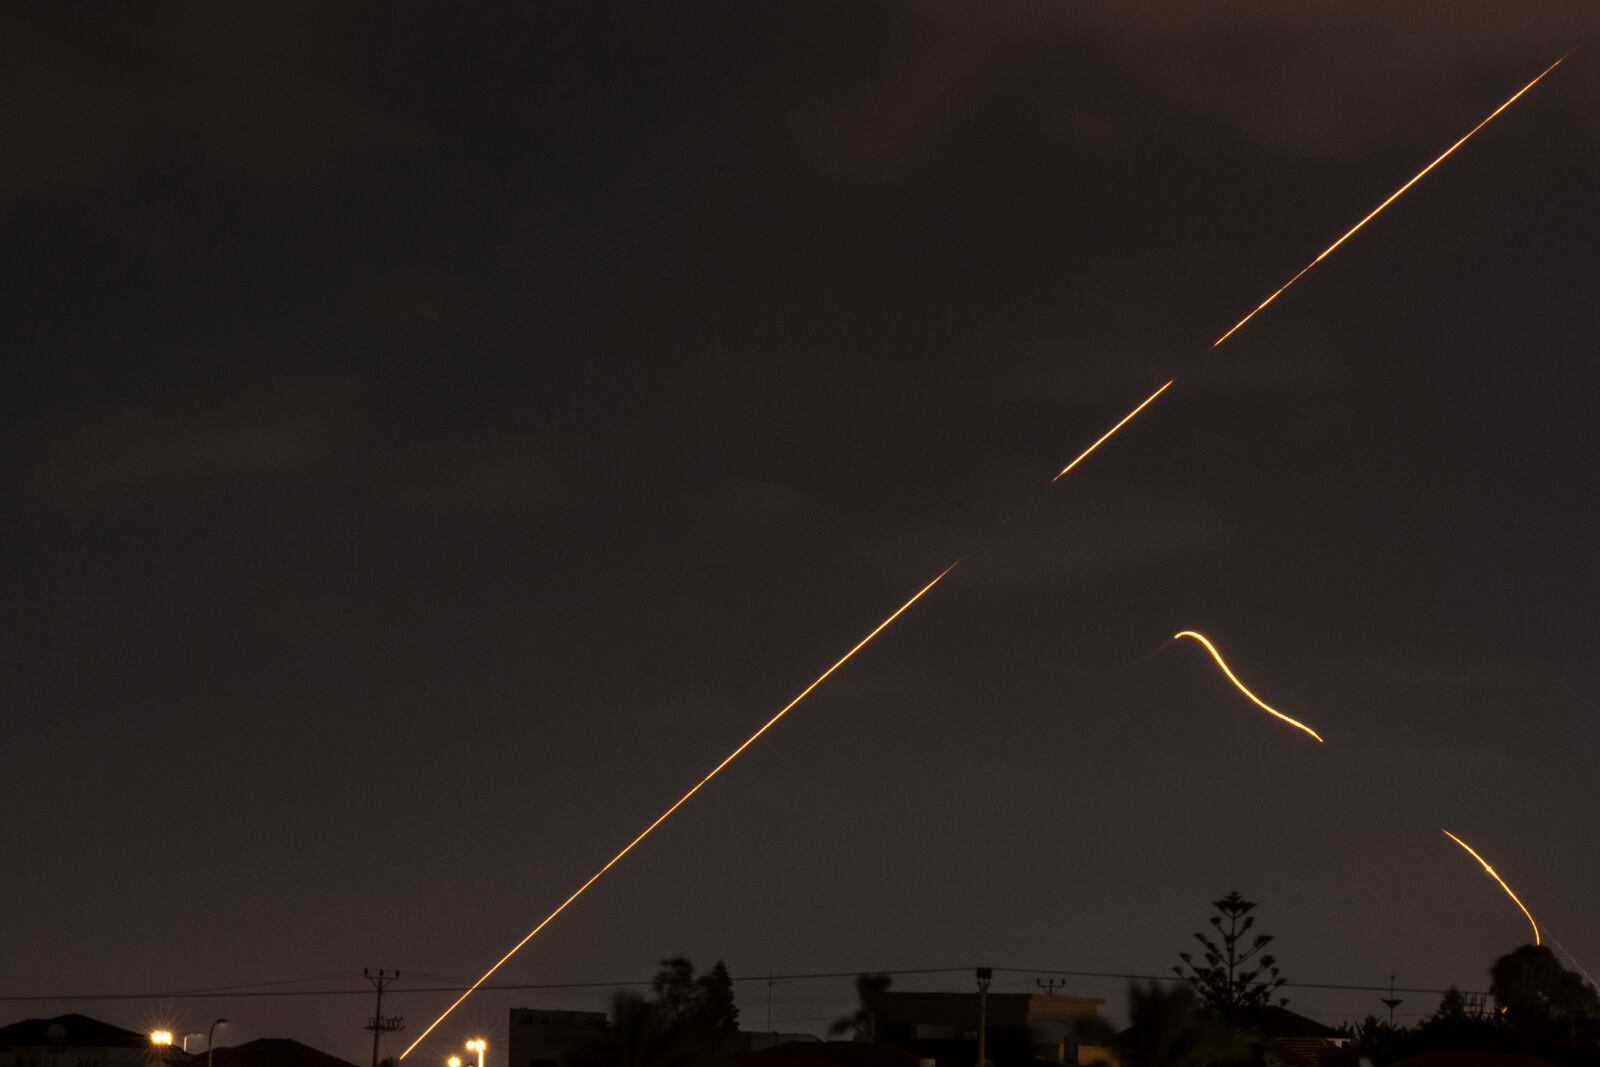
[433,439]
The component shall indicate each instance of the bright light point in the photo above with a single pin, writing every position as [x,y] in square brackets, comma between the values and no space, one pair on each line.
[453,1061]
[1257,701]
[161,1037]
[1485,863]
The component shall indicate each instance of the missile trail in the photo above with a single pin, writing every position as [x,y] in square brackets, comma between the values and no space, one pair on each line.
[1574,960]
[1392,198]
[729,758]
[1263,705]
[1125,420]
[1473,853]
[925,589]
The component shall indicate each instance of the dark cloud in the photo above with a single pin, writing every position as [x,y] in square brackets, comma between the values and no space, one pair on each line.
[496,475]
[255,93]
[436,437]
[218,440]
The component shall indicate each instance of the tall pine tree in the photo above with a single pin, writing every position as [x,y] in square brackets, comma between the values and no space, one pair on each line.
[1235,978]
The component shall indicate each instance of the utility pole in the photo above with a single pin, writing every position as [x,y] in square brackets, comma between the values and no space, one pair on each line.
[1391,1000]
[380,1023]
[984,974]
[770,983]
[1050,985]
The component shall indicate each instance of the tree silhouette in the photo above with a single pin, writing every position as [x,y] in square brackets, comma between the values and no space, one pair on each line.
[1459,1024]
[862,1024]
[1168,1030]
[1540,999]
[716,1016]
[1235,978]
[689,1019]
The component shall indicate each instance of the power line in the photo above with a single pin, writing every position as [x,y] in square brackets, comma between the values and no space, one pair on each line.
[253,989]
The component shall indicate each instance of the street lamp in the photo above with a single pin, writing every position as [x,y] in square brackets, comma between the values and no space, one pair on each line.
[161,1038]
[477,1045]
[453,1061]
[210,1038]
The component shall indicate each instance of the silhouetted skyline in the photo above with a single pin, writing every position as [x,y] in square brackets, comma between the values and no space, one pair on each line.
[434,441]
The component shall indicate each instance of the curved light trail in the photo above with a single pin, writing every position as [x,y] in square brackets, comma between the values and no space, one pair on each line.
[1473,853]
[1257,701]
[1103,437]
[920,593]
[659,819]
[1392,198]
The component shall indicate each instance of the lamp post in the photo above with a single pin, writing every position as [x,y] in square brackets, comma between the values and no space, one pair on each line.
[984,974]
[477,1045]
[210,1038]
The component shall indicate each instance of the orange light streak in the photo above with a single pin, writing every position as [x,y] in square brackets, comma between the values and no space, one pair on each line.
[1257,701]
[1125,419]
[729,758]
[1392,198]
[1473,853]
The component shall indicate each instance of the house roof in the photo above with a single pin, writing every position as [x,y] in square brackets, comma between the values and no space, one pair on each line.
[1277,1022]
[1474,1059]
[825,1054]
[71,1030]
[275,1052]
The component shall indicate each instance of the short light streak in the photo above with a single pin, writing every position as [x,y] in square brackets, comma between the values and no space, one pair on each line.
[1103,437]
[1574,960]
[659,819]
[1392,198]
[1473,853]
[1257,701]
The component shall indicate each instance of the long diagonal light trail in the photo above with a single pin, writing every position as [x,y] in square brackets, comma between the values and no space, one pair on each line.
[1392,198]
[738,751]
[1124,421]
[1257,701]
[925,589]
[659,819]
[1492,874]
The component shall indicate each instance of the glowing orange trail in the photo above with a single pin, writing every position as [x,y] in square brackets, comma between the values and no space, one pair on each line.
[1473,853]
[729,758]
[1392,198]
[1257,701]
[1125,419]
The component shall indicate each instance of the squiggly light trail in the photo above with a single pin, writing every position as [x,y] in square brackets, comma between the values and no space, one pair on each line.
[729,758]
[1473,853]
[1392,198]
[1257,701]
[1125,420]
[1081,457]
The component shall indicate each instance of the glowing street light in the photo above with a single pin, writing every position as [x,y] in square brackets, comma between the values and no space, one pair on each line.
[161,1038]
[477,1045]
[453,1061]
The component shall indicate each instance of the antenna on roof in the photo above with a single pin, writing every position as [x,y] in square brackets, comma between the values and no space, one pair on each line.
[1391,1000]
